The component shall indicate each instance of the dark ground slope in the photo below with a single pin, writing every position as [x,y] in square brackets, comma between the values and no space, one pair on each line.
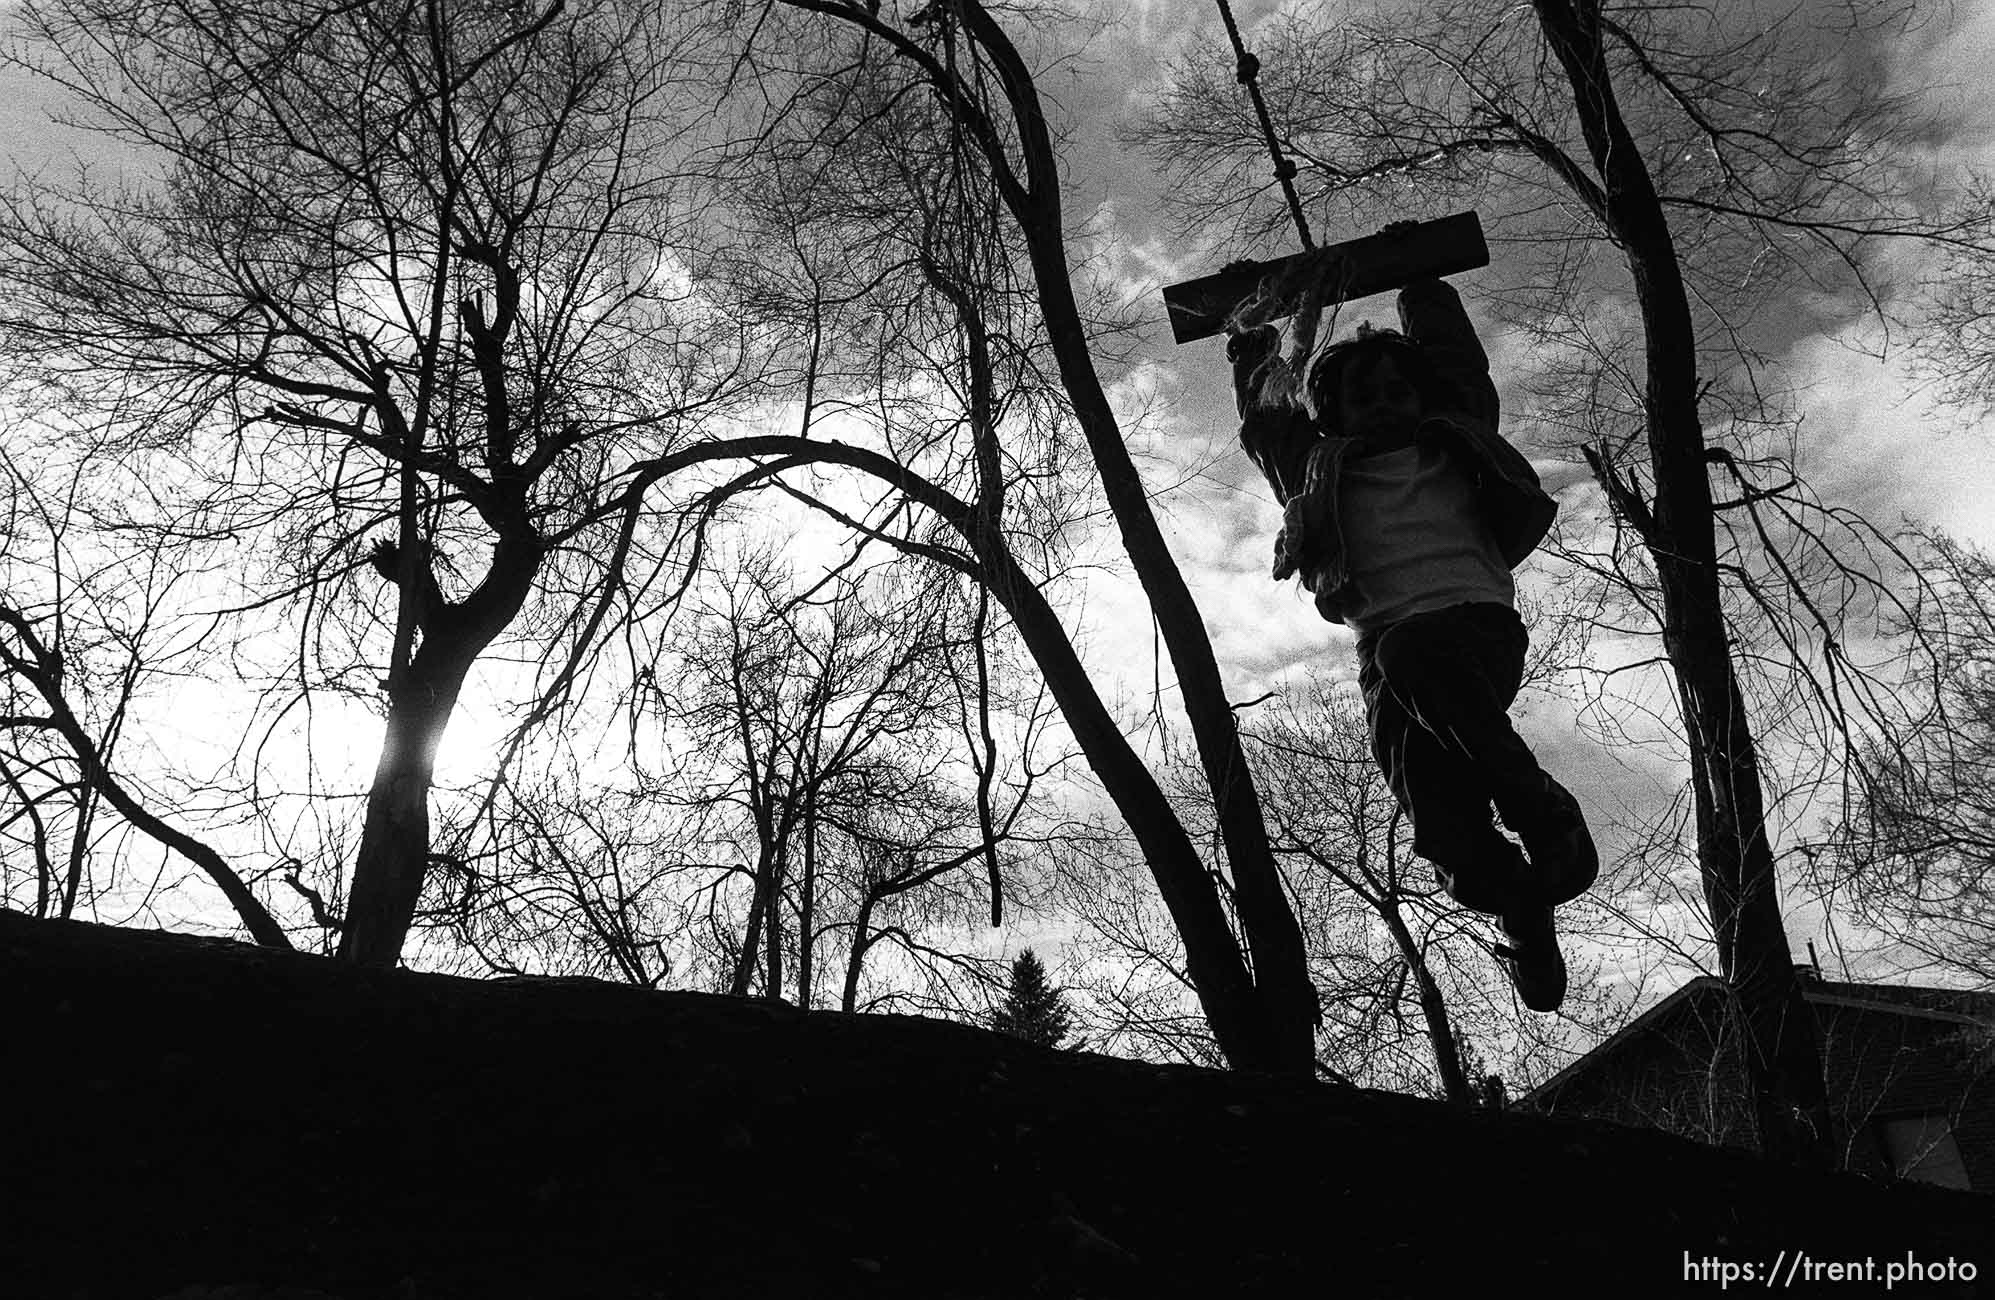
[194,1118]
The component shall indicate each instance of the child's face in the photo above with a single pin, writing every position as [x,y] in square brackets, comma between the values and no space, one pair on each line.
[1376,402]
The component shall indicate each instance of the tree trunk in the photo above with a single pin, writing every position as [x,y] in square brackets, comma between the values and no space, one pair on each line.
[393,859]
[1790,1097]
[1277,963]
[1240,1020]
[862,930]
[751,933]
[772,927]
[1279,977]
[1733,853]
[807,898]
[1433,1007]
[79,849]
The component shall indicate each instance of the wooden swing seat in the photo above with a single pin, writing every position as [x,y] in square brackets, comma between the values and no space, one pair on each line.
[1356,268]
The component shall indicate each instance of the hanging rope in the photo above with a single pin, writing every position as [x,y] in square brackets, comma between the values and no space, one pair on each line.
[1300,280]
[1247,72]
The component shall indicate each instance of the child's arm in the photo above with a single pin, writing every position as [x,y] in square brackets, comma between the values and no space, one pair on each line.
[1275,433]
[1430,312]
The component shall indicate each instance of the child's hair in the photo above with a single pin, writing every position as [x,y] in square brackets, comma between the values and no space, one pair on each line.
[1326,373]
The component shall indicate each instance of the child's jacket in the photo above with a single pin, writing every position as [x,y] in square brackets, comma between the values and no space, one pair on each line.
[1305,467]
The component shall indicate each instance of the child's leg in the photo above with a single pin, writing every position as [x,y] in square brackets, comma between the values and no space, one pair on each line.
[1438,689]
[1442,792]
[1454,673]
[1449,810]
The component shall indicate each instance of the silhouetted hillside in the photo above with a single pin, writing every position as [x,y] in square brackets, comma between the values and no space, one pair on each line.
[192,1118]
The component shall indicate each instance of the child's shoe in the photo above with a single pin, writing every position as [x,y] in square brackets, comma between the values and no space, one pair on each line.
[1531,958]
[1564,860]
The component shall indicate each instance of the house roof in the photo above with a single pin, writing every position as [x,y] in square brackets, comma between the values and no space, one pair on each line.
[1976,1006]
[1833,1000]
[1696,989]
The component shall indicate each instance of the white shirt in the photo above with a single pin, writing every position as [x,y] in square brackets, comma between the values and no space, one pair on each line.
[1415,538]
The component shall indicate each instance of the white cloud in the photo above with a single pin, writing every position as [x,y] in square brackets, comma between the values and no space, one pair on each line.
[1873,442]
[1945,62]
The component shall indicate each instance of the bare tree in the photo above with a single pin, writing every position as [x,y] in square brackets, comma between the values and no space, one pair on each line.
[1125,971]
[1914,853]
[400,292]
[815,789]
[1956,334]
[85,638]
[830,725]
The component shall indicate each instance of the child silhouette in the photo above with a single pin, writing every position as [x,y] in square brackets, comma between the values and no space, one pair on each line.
[1404,513]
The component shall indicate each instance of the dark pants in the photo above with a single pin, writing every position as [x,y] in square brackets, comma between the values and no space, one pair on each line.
[1438,689]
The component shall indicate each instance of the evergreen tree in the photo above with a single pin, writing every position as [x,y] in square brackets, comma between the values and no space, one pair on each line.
[1032,1009]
